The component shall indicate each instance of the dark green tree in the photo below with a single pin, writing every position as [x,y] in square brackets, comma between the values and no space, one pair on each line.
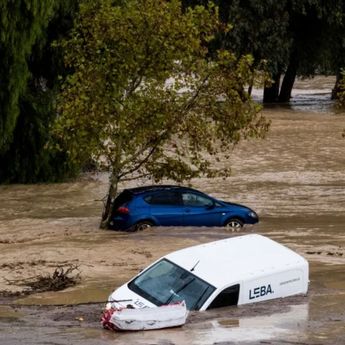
[295,37]
[21,24]
[260,28]
[314,28]
[29,84]
[334,59]
[314,44]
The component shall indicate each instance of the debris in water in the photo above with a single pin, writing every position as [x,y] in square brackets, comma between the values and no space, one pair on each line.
[62,278]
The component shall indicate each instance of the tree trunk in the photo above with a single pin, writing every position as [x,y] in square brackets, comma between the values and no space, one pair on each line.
[337,87]
[224,10]
[108,204]
[289,79]
[250,89]
[271,92]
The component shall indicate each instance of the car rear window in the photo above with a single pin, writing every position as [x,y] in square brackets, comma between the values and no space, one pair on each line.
[163,198]
[122,198]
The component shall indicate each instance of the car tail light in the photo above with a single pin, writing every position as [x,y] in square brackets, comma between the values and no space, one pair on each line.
[123,210]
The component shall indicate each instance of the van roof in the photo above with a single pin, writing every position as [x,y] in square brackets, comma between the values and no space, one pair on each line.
[229,261]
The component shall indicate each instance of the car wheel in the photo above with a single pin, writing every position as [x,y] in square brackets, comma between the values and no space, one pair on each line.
[234,224]
[145,224]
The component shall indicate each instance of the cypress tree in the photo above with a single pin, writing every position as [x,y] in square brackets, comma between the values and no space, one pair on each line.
[21,24]
[29,69]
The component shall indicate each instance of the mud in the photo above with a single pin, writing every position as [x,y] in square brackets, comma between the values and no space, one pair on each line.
[294,179]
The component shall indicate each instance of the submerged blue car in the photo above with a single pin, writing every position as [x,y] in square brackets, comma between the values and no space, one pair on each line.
[162,205]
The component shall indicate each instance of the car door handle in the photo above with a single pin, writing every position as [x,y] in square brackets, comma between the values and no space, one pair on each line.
[187,210]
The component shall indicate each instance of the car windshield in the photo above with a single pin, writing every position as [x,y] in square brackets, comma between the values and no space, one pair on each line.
[165,283]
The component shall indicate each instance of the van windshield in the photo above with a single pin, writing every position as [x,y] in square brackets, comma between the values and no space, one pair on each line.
[165,283]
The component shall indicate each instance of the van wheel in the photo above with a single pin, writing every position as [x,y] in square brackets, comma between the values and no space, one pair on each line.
[234,224]
[145,224]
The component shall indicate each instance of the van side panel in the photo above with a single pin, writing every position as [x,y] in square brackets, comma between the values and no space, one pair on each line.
[283,284]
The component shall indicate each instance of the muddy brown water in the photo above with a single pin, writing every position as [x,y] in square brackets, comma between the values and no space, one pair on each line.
[294,179]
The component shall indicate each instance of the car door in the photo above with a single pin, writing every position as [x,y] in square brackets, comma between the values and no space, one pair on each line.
[200,210]
[165,207]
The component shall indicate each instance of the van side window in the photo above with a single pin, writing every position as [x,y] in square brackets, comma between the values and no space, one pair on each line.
[227,297]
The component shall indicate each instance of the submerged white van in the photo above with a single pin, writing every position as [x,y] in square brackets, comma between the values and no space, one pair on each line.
[233,271]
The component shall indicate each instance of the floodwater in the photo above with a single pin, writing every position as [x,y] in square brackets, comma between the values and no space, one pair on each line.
[294,179]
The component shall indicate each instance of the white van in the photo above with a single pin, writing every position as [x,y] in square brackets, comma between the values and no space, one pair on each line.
[234,271]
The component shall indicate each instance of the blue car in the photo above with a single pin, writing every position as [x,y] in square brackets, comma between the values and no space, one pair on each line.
[139,208]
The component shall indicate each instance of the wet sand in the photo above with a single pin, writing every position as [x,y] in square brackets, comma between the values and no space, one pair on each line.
[294,179]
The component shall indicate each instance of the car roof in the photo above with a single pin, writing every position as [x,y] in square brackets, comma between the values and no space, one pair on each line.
[226,262]
[143,189]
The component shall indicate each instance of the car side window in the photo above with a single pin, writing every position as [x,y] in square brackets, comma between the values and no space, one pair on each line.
[163,198]
[227,297]
[196,200]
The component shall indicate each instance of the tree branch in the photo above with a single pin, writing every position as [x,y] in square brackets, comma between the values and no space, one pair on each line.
[135,177]
[157,140]
[192,101]
[142,162]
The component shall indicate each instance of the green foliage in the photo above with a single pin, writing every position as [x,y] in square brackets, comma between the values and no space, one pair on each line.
[29,98]
[21,23]
[341,92]
[295,37]
[259,28]
[28,159]
[144,100]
